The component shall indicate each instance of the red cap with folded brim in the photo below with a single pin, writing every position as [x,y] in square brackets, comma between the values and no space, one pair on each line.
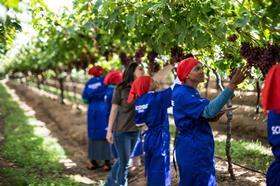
[95,71]
[139,87]
[271,90]
[184,68]
[113,78]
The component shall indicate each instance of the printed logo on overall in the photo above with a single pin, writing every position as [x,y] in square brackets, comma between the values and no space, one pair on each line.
[275,130]
[141,108]
[95,85]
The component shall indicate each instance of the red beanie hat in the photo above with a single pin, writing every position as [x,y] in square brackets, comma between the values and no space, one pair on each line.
[271,90]
[113,78]
[95,71]
[184,68]
[139,87]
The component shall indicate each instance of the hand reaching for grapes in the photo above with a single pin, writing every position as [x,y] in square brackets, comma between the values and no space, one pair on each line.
[237,77]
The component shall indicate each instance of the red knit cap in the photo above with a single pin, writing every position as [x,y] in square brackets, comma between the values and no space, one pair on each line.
[184,68]
[113,78]
[95,71]
[271,90]
[139,87]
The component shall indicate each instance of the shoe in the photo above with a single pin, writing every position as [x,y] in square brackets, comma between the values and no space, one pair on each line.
[106,168]
[92,166]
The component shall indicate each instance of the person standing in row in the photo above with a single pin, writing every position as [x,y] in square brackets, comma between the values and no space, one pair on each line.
[122,130]
[271,104]
[151,110]
[111,80]
[194,146]
[93,94]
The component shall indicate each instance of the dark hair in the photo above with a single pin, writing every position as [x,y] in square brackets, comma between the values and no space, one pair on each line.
[128,75]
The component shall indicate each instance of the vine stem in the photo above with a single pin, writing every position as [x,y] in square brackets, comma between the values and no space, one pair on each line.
[229,126]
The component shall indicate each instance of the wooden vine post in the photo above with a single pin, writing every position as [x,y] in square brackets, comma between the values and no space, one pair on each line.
[61,87]
[258,96]
[38,81]
[229,126]
[207,81]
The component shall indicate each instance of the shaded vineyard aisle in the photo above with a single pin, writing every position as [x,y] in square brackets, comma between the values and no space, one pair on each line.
[65,124]
[69,126]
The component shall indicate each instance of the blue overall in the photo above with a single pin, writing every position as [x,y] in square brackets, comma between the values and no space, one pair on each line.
[194,146]
[138,149]
[151,109]
[93,93]
[273,129]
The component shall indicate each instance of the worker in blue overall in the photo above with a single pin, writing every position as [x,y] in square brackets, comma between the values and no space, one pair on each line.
[271,103]
[93,94]
[194,147]
[151,109]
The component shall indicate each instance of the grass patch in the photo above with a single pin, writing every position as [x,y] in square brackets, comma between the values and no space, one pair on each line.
[35,158]
[249,153]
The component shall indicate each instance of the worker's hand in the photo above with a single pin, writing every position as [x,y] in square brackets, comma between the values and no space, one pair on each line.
[238,76]
[109,137]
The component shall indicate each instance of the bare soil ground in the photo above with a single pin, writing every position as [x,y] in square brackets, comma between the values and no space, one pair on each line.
[69,126]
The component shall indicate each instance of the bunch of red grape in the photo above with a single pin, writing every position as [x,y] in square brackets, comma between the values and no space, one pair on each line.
[153,65]
[76,64]
[83,62]
[125,60]
[232,38]
[177,55]
[107,54]
[139,54]
[69,67]
[262,58]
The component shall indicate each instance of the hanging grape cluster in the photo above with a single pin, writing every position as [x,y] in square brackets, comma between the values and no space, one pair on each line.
[139,54]
[107,54]
[153,65]
[69,67]
[177,55]
[232,38]
[83,62]
[262,58]
[125,60]
[76,64]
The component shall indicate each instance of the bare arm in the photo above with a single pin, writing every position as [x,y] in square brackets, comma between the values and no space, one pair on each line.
[112,118]
[163,73]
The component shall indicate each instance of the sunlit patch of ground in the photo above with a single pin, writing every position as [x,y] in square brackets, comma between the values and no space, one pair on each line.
[50,143]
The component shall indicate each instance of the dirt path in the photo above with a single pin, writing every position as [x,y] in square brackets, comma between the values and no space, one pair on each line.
[69,126]
[65,124]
